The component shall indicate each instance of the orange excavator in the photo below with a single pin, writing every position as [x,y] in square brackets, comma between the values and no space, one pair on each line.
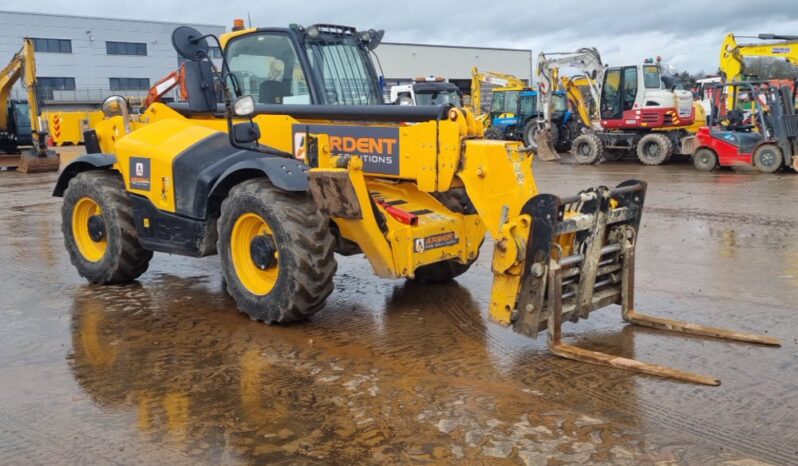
[166,84]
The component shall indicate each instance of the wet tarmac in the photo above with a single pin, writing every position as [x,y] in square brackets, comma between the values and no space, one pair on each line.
[166,371]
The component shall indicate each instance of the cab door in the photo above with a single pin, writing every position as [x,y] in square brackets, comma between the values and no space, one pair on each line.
[618,95]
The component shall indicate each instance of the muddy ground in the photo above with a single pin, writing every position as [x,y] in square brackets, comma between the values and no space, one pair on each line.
[167,371]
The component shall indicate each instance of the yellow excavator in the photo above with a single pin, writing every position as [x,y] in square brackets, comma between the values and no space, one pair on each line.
[20,122]
[504,100]
[303,160]
[733,55]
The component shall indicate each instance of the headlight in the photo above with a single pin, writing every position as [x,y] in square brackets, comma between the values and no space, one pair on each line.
[244,106]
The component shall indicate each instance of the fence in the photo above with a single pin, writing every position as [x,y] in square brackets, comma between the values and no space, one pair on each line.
[77,96]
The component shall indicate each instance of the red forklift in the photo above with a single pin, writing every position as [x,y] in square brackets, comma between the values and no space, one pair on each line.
[766,136]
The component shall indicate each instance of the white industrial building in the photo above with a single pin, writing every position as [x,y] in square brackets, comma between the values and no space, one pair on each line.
[402,62]
[81,60]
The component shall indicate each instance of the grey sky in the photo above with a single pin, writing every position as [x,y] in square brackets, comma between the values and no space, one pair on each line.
[686,33]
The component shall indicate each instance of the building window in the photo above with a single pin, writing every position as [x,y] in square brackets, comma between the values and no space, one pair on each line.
[126,48]
[215,52]
[56,84]
[129,84]
[52,45]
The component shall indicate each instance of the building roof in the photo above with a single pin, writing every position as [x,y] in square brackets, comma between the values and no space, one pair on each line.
[410,44]
[108,18]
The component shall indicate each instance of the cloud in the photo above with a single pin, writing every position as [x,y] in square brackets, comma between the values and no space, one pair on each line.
[686,33]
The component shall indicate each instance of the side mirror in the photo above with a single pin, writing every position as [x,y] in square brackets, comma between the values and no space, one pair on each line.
[245,133]
[190,43]
[244,106]
[114,105]
[117,105]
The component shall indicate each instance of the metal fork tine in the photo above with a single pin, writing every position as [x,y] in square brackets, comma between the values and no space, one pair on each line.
[603,359]
[594,357]
[697,329]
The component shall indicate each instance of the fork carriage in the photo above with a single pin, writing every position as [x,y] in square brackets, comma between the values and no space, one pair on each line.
[581,259]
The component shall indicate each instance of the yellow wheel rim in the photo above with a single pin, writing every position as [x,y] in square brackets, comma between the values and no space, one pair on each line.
[90,249]
[257,280]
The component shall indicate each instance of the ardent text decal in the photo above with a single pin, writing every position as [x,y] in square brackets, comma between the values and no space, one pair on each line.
[378,147]
[435,241]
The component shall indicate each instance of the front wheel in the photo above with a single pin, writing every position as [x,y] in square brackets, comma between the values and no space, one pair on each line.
[767,158]
[494,133]
[705,159]
[587,149]
[277,252]
[530,133]
[99,230]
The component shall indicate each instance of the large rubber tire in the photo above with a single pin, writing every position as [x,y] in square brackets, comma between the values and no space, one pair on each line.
[587,149]
[119,257]
[768,158]
[305,252]
[654,149]
[441,271]
[528,135]
[705,159]
[494,133]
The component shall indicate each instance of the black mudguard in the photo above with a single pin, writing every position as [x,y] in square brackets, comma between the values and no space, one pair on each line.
[286,174]
[81,164]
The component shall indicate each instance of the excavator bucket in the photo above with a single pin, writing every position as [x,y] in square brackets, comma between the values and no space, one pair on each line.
[546,150]
[31,162]
[580,258]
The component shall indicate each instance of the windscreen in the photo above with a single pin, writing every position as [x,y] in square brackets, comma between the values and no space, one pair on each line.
[559,102]
[267,68]
[343,68]
[438,98]
[504,102]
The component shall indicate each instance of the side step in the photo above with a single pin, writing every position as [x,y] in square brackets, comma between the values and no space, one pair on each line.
[594,235]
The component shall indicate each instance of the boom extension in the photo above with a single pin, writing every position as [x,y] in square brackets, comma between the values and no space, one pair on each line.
[580,258]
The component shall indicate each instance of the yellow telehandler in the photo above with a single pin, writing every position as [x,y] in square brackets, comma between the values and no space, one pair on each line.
[300,161]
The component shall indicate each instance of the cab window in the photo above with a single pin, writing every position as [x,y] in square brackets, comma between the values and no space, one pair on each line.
[630,87]
[610,95]
[497,102]
[267,68]
[651,77]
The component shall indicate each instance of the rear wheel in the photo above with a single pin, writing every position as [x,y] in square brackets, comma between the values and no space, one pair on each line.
[530,130]
[705,159]
[654,149]
[493,133]
[99,230]
[277,252]
[767,158]
[587,148]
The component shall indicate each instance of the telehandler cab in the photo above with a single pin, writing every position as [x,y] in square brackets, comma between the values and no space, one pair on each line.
[300,162]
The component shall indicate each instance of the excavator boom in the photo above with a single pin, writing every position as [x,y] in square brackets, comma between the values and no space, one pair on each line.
[23,66]
[588,62]
[501,81]
[733,54]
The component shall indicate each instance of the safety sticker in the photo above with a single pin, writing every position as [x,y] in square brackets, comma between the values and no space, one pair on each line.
[439,240]
[140,173]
